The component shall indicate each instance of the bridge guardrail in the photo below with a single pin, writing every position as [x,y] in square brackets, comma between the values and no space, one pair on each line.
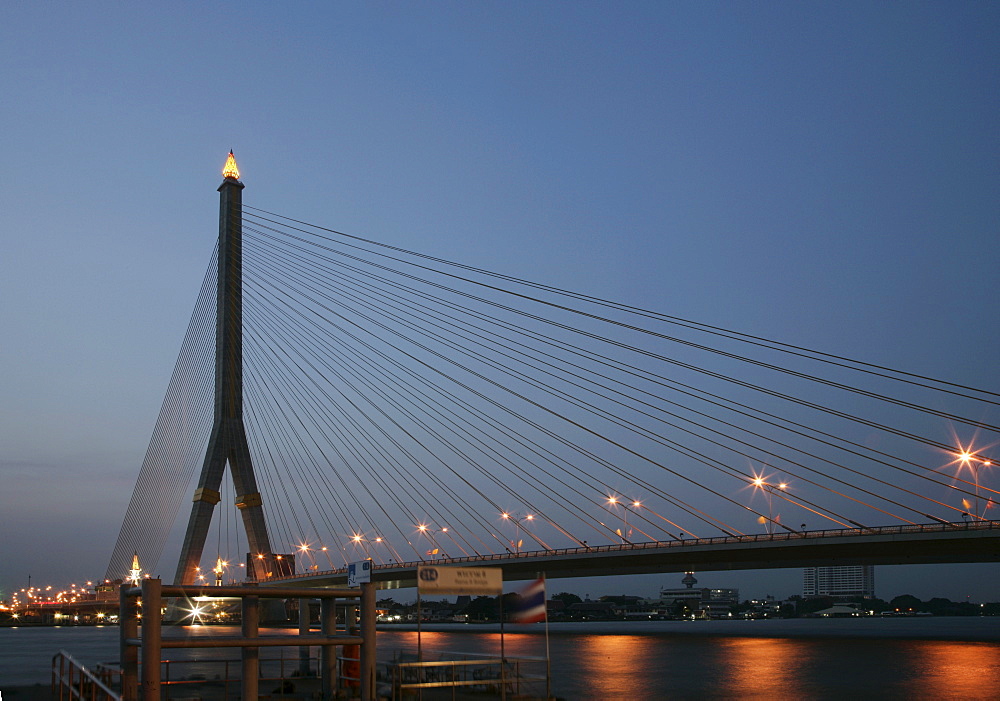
[680,543]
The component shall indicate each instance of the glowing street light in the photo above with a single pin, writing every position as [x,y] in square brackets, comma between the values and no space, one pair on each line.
[424,530]
[759,483]
[358,540]
[614,501]
[427,531]
[518,541]
[383,542]
[635,505]
[969,460]
[307,560]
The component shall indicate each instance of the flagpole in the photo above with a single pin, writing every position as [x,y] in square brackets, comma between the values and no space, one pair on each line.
[503,665]
[548,657]
[420,651]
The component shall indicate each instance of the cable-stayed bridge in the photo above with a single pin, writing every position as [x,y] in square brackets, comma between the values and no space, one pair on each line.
[375,402]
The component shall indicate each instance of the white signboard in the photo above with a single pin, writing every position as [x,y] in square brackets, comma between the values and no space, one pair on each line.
[459,580]
[359,573]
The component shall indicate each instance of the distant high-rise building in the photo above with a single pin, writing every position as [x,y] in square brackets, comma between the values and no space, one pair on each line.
[839,582]
[715,603]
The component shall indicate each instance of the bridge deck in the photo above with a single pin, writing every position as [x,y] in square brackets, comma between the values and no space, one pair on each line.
[887,545]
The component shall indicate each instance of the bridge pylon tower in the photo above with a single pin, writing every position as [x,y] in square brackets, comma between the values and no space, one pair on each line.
[228,441]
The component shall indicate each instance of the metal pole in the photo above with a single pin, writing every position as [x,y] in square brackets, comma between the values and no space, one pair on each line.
[328,654]
[128,628]
[151,604]
[250,628]
[975,471]
[368,641]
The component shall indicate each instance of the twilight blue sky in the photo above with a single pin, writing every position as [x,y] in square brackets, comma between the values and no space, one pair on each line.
[821,173]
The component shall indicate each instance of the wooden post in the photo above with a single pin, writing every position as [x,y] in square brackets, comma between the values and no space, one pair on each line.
[328,653]
[368,641]
[303,631]
[128,628]
[151,639]
[251,655]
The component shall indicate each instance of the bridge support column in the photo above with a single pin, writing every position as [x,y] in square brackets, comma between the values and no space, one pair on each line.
[228,442]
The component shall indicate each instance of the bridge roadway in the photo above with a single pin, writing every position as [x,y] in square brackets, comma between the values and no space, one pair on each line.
[887,545]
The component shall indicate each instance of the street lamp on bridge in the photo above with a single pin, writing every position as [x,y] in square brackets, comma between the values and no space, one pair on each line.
[370,547]
[517,542]
[769,489]
[429,532]
[308,561]
[614,501]
[971,461]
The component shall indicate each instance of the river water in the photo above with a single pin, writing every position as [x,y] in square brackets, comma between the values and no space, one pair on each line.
[926,658]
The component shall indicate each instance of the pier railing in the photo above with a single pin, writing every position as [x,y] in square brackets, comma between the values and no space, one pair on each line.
[71,680]
[151,641]
[483,675]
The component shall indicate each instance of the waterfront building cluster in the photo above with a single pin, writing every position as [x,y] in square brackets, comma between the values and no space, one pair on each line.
[828,592]
[75,605]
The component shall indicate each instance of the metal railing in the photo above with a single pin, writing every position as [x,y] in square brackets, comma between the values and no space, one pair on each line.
[278,669]
[72,680]
[485,675]
[250,641]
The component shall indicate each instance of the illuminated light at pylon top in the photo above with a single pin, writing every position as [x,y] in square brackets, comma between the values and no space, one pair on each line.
[135,574]
[230,170]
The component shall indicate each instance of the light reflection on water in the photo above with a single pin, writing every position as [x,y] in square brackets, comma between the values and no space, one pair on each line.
[614,665]
[762,667]
[607,666]
[948,670]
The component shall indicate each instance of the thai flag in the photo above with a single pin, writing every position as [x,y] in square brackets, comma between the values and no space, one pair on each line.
[531,606]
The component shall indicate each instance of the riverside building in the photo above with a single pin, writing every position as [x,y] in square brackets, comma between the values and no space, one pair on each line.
[839,582]
[709,603]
